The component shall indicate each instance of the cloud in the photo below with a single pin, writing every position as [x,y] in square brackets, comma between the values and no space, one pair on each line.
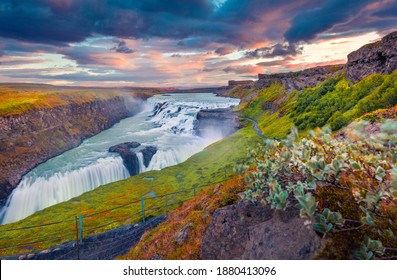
[307,24]
[244,69]
[224,51]
[389,10]
[284,49]
[195,23]
[121,47]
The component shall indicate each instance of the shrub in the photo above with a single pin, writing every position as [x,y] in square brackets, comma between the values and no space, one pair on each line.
[346,188]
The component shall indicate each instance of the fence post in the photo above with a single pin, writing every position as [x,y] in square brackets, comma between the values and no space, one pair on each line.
[194,187]
[143,208]
[81,228]
[166,204]
[77,239]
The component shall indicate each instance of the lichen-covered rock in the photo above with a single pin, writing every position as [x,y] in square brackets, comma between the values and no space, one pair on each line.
[248,231]
[379,57]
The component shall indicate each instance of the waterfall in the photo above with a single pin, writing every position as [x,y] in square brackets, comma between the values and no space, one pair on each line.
[166,122]
[34,194]
[142,167]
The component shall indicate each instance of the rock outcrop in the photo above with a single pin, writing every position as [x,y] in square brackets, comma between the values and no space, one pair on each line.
[301,79]
[379,57]
[129,155]
[35,136]
[248,231]
[233,83]
[148,152]
[216,121]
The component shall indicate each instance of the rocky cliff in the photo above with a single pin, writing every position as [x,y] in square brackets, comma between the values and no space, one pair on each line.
[379,57]
[216,121]
[35,136]
[301,79]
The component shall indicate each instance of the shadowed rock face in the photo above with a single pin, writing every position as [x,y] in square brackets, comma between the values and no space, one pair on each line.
[379,57]
[130,159]
[222,121]
[248,231]
[301,79]
[148,153]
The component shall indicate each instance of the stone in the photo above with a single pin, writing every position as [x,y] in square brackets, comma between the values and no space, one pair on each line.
[148,153]
[217,187]
[157,257]
[183,234]
[130,160]
[251,231]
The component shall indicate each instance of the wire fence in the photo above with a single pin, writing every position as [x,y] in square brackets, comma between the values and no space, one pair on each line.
[77,230]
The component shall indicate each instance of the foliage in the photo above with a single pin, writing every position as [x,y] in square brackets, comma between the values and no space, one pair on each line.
[335,102]
[339,185]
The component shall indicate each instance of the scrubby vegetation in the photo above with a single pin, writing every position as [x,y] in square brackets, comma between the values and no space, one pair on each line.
[193,216]
[345,187]
[337,103]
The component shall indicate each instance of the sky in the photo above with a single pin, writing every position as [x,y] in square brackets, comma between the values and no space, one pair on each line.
[180,43]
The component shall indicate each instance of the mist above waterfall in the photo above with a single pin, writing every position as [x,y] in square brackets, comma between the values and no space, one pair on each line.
[171,130]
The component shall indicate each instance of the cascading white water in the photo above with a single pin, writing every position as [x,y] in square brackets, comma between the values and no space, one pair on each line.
[166,122]
[33,193]
[142,167]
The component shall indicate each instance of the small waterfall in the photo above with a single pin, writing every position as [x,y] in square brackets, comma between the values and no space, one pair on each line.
[142,167]
[34,194]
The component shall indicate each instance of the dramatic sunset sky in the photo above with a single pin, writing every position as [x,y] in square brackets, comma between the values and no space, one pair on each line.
[181,43]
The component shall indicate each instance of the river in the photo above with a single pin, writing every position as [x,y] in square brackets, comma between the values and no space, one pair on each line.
[90,165]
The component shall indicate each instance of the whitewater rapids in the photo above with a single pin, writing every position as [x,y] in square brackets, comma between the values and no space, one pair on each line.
[167,121]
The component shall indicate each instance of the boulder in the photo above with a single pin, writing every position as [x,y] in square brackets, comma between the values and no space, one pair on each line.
[129,157]
[148,153]
[250,231]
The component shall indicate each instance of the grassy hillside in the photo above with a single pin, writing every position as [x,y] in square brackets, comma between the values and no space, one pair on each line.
[18,98]
[213,164]
[276,113]
[335,102]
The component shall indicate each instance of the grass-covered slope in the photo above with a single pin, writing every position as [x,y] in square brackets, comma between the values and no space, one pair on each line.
[276,112]
[19,98]
[192,217]
[213,164]
[335,102]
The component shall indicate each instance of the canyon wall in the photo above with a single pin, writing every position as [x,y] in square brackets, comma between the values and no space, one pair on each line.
[35,136]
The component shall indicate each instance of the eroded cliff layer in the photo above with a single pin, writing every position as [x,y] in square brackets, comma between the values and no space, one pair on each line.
[35,136]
